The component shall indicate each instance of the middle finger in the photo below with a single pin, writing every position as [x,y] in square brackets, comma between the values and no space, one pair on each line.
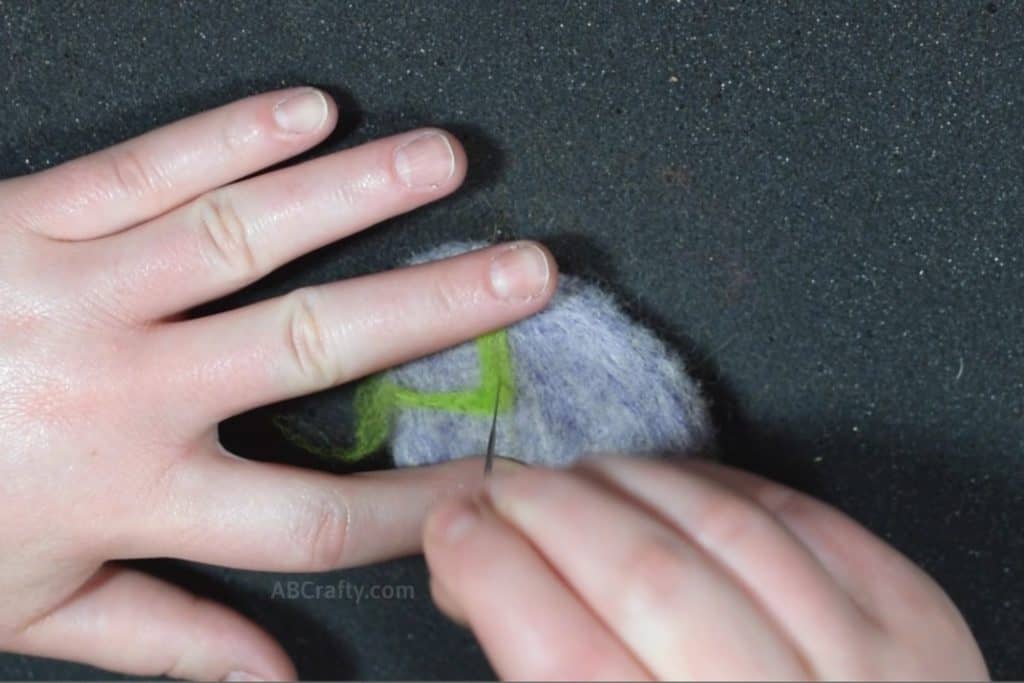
[771,563]
[317,337]
[677,611]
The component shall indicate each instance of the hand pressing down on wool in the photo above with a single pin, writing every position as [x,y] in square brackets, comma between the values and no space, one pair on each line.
[111,397]
[628,569]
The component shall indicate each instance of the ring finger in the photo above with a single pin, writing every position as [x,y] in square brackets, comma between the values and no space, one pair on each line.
[230,237]
[117,188]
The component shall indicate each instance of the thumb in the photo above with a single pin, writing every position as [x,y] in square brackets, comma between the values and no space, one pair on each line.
[126,621]
[269,517]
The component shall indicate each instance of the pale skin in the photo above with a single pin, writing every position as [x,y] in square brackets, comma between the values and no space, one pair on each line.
[111,397]
[624,569]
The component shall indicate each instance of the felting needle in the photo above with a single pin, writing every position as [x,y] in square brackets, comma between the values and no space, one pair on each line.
[489,457]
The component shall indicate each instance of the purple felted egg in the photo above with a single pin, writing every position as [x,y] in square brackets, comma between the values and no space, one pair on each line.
[588,380]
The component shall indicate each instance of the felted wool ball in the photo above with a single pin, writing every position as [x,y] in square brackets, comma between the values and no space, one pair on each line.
[587,380]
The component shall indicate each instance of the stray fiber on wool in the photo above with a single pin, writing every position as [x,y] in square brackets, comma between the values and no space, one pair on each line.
[587,380]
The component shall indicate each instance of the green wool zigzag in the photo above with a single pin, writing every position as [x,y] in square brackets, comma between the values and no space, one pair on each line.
[377,399]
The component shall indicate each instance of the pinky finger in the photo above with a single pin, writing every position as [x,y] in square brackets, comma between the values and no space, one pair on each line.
[126,621]
[528,621]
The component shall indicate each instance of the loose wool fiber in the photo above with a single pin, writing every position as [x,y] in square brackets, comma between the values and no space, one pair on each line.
[587,380]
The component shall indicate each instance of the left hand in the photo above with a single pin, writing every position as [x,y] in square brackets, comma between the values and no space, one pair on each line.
[111,396]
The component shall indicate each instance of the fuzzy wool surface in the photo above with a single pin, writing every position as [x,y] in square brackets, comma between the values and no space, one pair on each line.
[587,380]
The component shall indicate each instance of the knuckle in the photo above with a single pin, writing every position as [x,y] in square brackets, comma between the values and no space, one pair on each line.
[307,343]
[239,131]
[132,177]
[448,298]
[726,519]
[653,572]
[596,662]
[781,501]
[225,238]
[322,532]
[234,138]
[345,195]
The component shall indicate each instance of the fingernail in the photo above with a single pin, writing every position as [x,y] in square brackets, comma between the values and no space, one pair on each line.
[303,112]
[459,522]
[426,161]
[520,272]
[242,677]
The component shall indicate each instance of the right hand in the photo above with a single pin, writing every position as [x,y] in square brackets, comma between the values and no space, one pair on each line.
[628,569]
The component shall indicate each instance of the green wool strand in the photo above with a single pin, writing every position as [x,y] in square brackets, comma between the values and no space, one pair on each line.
[377,399]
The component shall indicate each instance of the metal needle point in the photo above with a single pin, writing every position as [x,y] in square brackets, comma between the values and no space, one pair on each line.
[489,457]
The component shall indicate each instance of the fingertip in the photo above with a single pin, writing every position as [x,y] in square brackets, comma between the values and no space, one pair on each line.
[302,114]
[249,653]
[460,160]
[445,601]
[523,272]
[276,665]
[333,114]
[469,498]
[450,522]
[551,264]
[428,160]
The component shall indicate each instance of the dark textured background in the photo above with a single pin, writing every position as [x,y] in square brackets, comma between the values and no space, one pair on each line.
[820,205]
